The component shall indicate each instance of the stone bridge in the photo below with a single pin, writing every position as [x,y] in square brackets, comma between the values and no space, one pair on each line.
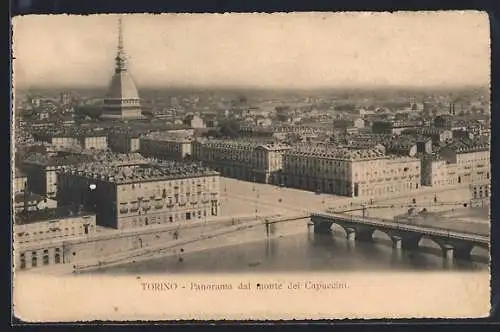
[406,236]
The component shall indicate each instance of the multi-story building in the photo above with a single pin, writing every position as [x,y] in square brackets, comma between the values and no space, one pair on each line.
[194,121]
[348,172]
[39,235]
[41,171]
[424,144]
[436,134]
[74,137]
[166,145]
[247,160]
[464,162]
[41,168]
[394,127]
[279,132]
[124,141]
[140,195]
[52,223]
[402,145]
[345,124]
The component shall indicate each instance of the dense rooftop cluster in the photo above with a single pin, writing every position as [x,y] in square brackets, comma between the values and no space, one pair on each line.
[399,123]
[27,217]
[154,171]
[331,152]
[85,157]
[177,136]
[241,144]
[116,159]
[229,144]
[469,145]
[278,129]
[71,132]
[43,159]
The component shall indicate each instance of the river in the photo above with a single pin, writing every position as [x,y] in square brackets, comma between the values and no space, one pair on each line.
[303,252]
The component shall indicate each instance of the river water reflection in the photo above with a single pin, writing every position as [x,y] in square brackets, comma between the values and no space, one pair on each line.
[303,252]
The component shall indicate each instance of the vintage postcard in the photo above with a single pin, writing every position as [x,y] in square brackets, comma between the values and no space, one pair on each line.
[251,166]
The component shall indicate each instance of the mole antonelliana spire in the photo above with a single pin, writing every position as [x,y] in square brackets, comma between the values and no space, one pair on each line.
[122,100]
[121,60]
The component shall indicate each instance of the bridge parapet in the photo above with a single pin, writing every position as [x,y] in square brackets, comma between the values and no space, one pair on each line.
[403,236]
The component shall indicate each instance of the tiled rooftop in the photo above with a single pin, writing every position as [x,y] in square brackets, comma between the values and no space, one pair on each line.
[71,132]
[27,217]
[47,160]
[154,171]
[182,136]
[469,145]
[85,156]
[332,152]
[241,144]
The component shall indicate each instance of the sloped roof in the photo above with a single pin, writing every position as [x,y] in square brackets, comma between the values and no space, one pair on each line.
[122,86]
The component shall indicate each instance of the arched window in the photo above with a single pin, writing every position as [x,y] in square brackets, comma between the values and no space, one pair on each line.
[34,259]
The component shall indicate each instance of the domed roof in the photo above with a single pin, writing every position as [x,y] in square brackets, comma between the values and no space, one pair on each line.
[122,86]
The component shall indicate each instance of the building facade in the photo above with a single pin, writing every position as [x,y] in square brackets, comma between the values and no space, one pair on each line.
[165,145]
[124,142]
[242,159]
[39,236]
[74,138]
[347,172]
[41,171]
[141,195]
[464,162]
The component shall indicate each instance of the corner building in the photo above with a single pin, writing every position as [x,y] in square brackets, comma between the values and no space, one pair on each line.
[462,162]
[141,195]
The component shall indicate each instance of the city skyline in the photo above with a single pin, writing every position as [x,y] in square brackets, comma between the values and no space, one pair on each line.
[425,50]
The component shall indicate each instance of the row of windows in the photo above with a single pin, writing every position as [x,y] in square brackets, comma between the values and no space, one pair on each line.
[85,228]
[181,183]
[189,215]
[45,258]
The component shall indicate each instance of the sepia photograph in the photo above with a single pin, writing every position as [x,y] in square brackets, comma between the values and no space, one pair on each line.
[251,166]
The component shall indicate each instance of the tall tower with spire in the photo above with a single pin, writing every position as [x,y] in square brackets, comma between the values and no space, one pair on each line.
[122,101]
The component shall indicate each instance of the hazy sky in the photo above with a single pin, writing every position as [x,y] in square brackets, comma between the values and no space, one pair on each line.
[266,50]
